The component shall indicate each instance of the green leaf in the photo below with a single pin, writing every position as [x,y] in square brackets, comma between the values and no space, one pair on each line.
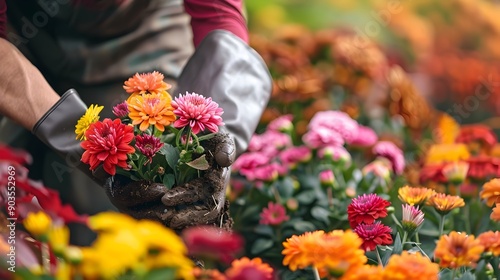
[303,226]
[398,247]
[160,274]
[446,274]
[320,214]
[467,276]
[200,163]
[264,230]
[169,180]
[306,197]
[171,155]
[260,245]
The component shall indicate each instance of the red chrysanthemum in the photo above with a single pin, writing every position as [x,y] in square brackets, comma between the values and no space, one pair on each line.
[373,235]
[476,132]
[148,145]
[274,214]
[108,143]
[197,112]
[366,209]
[483,166]
[212,242]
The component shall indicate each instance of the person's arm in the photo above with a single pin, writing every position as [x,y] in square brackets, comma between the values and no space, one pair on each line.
[24,93]
[207,16]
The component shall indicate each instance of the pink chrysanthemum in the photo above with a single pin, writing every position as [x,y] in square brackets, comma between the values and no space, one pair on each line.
[291,156]
[320,137]
[282,124]
[266,173]
[249,161]
[148,145]
[390,151]
[335,153]
[337,121]
[364,137]
[373,235]
[412,218]
[108,143]
[269,142]
[326,177]
[197,112]
[274,214]
[121,110]
[366,209]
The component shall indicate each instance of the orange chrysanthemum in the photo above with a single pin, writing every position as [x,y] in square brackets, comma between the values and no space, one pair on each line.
[491,242]
[151,109]
[337,251]
[146,83]
[414,196]
[410,266]
[207,274]
[458,249]
[244,266]
[491,192]
[495,214]
[444,203]
[365,272]
[441,153]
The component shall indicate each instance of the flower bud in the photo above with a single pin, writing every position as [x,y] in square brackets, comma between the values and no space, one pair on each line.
[199,149]
[161,170]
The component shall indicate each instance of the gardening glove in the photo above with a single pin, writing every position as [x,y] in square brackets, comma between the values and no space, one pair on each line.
[57,130]
[226,69]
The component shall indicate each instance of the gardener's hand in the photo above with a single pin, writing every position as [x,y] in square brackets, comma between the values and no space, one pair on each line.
[202,201]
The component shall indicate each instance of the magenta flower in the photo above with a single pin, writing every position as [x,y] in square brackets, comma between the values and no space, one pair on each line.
[364,137]
[247,162]
[269,142]
[291,156]
[281,124]
[366,209]
[337,121]
[394,154]
[273,215]
[326,177]
[148,145]
[197,112]
[120,110]
[266,173]
[320,137]
[373,235]
[412,218]
[335,153]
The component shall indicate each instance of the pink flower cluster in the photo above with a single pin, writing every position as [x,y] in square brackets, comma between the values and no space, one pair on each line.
[394,154]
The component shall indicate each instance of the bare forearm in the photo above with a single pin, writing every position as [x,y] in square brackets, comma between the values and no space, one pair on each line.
[24,93]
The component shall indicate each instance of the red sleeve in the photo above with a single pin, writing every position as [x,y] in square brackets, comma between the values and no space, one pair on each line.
[3,19]
[209,15]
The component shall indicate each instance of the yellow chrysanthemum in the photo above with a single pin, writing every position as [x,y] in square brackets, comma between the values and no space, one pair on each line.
[491,242]
[458,249]
[444,203]
[111,221]
[495,214]
[38,223]
[491,192]
[365,272]
[410,266]
[447,129]
[90,117]
[441,153]
[414,196]
[58,238]
[337,251]
[151,109]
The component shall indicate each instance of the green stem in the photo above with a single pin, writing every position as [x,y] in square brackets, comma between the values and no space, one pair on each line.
[417,237]
[396,220]
[441,225]
[379,259]
[206,136]
[276,193]
[405,236]
[467,219]
[316,274]
[454,273]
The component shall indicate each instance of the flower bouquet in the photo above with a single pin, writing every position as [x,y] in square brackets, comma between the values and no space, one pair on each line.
[153,137]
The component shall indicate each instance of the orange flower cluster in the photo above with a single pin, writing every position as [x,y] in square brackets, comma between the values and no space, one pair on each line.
[337,252]
[443,203]
[458,249]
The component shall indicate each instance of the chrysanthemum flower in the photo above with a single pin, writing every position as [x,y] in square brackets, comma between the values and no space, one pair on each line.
[458,249]
[366,209]
[292,156]
[335,121]
[37,223]
[364,137]
[441,153]
[491,242]
[208,274]
[456,172]
[108,143]
[446,130]
[495,214]
[336,154]
[281,124]
[320,137]
[476,132]
[365,272]
[444,203]
[483,166]
[414,196]
[151,109]
[390,151]
[491,192]
[274,214]
[380,167]
[373,235]
[197,112]
[410,266]
[58,238]
[326,177]
[120,110]
[246,268]
[146,83]
[412,218]
[432,172]
[148,145]
[216,243]
[90,117]
[299,250]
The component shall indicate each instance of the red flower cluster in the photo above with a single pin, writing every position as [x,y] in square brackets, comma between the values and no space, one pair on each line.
[363,213]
